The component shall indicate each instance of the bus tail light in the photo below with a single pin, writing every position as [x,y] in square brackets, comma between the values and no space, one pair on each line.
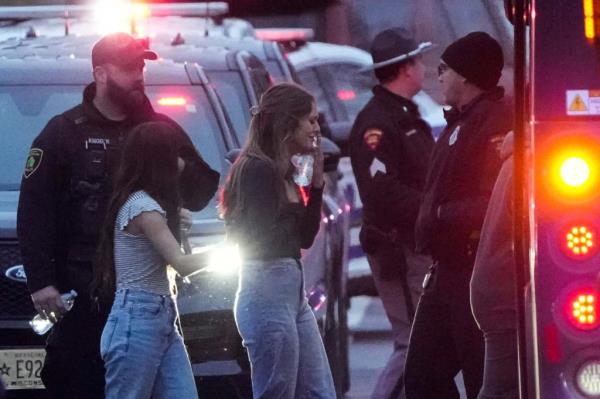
[578,241]
[582,310]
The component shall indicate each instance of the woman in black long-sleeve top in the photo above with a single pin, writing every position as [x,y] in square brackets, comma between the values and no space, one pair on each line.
[271,221]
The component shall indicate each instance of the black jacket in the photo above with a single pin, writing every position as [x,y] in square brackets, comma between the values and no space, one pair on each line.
[66,187]
[390,146]
[463,169]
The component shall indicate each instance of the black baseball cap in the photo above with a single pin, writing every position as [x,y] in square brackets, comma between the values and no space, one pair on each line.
[120,49]
[392,46]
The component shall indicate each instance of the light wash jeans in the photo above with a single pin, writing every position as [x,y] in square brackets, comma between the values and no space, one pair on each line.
[280,332]
[142,350]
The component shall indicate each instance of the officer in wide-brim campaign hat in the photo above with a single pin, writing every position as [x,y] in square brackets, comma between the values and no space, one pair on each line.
[390,146]
[393,46]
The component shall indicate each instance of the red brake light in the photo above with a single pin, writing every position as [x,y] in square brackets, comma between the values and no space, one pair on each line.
[581,309]
[172,101]
[346,94]
[283,35]
[578,241]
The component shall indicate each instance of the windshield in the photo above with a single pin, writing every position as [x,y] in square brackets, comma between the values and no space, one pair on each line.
[25,110]
[232,91]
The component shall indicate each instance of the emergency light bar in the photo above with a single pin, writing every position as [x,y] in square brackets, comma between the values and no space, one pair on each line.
[211,9]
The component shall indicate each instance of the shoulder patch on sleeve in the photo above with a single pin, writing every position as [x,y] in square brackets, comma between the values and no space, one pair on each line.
[372,137]
[34,159]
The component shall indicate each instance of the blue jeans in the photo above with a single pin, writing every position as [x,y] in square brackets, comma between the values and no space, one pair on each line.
[142,350]
[280,332]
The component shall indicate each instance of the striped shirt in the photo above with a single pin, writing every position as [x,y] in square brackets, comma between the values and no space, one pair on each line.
[137,264]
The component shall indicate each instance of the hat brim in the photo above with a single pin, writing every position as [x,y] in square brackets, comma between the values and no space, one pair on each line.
[421,48]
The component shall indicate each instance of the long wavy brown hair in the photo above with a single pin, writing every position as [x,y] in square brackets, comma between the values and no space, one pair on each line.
[149,163]
[273,124]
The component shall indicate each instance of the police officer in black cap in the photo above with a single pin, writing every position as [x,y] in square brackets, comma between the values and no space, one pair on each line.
[390,146]
[465,162]
[64,193]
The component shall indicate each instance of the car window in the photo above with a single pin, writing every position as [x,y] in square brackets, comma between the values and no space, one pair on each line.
[260,81]
[309,79]
[25,110]
[232,91]
[275,71]
[352,87]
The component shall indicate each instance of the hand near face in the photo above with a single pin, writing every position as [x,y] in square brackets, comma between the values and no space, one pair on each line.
[317,178]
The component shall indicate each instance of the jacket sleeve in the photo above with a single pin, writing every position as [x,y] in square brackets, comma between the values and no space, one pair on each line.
[375,166]
[39,201]
[469,212]
[198,182]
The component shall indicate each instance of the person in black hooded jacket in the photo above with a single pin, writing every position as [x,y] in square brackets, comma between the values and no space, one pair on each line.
[62,205]
[464,165]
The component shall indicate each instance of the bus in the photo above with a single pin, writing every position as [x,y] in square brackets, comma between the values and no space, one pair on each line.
[557,196]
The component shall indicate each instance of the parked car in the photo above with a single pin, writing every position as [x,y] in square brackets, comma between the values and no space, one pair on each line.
[269,52]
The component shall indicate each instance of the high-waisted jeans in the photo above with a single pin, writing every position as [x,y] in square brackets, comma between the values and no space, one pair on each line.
[280,332]
[142,350]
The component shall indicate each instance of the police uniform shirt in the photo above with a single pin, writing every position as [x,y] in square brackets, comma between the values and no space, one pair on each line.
[390,146]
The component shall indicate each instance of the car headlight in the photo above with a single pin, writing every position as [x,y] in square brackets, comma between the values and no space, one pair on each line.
[223,258]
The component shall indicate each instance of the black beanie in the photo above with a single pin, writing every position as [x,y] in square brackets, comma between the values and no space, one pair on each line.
[476,57]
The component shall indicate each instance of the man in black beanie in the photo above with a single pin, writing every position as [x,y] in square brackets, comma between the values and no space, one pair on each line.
[390,146]
[445,338]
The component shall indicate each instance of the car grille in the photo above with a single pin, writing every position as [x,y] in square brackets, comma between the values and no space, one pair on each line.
[211,336]
[15,302]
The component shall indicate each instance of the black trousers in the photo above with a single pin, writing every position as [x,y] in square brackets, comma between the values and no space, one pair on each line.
[445,339]
[73,368]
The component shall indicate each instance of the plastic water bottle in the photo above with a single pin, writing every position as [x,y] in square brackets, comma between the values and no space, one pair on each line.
[41,326]
[304,169]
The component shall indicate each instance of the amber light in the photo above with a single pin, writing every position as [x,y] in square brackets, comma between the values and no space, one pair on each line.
[582,309]
[579,241]
[588,14]
[573,170]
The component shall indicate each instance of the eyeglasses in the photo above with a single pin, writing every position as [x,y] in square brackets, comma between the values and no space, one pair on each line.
[442,68]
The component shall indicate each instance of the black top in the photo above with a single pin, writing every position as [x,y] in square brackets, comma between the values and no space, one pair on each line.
[66,187]
[264,232]
[464,165]
[390,147]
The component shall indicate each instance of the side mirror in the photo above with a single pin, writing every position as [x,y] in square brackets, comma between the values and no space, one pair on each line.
[232,155]
[331,154]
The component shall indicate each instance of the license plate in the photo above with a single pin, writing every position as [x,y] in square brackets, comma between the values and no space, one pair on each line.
[21,368]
